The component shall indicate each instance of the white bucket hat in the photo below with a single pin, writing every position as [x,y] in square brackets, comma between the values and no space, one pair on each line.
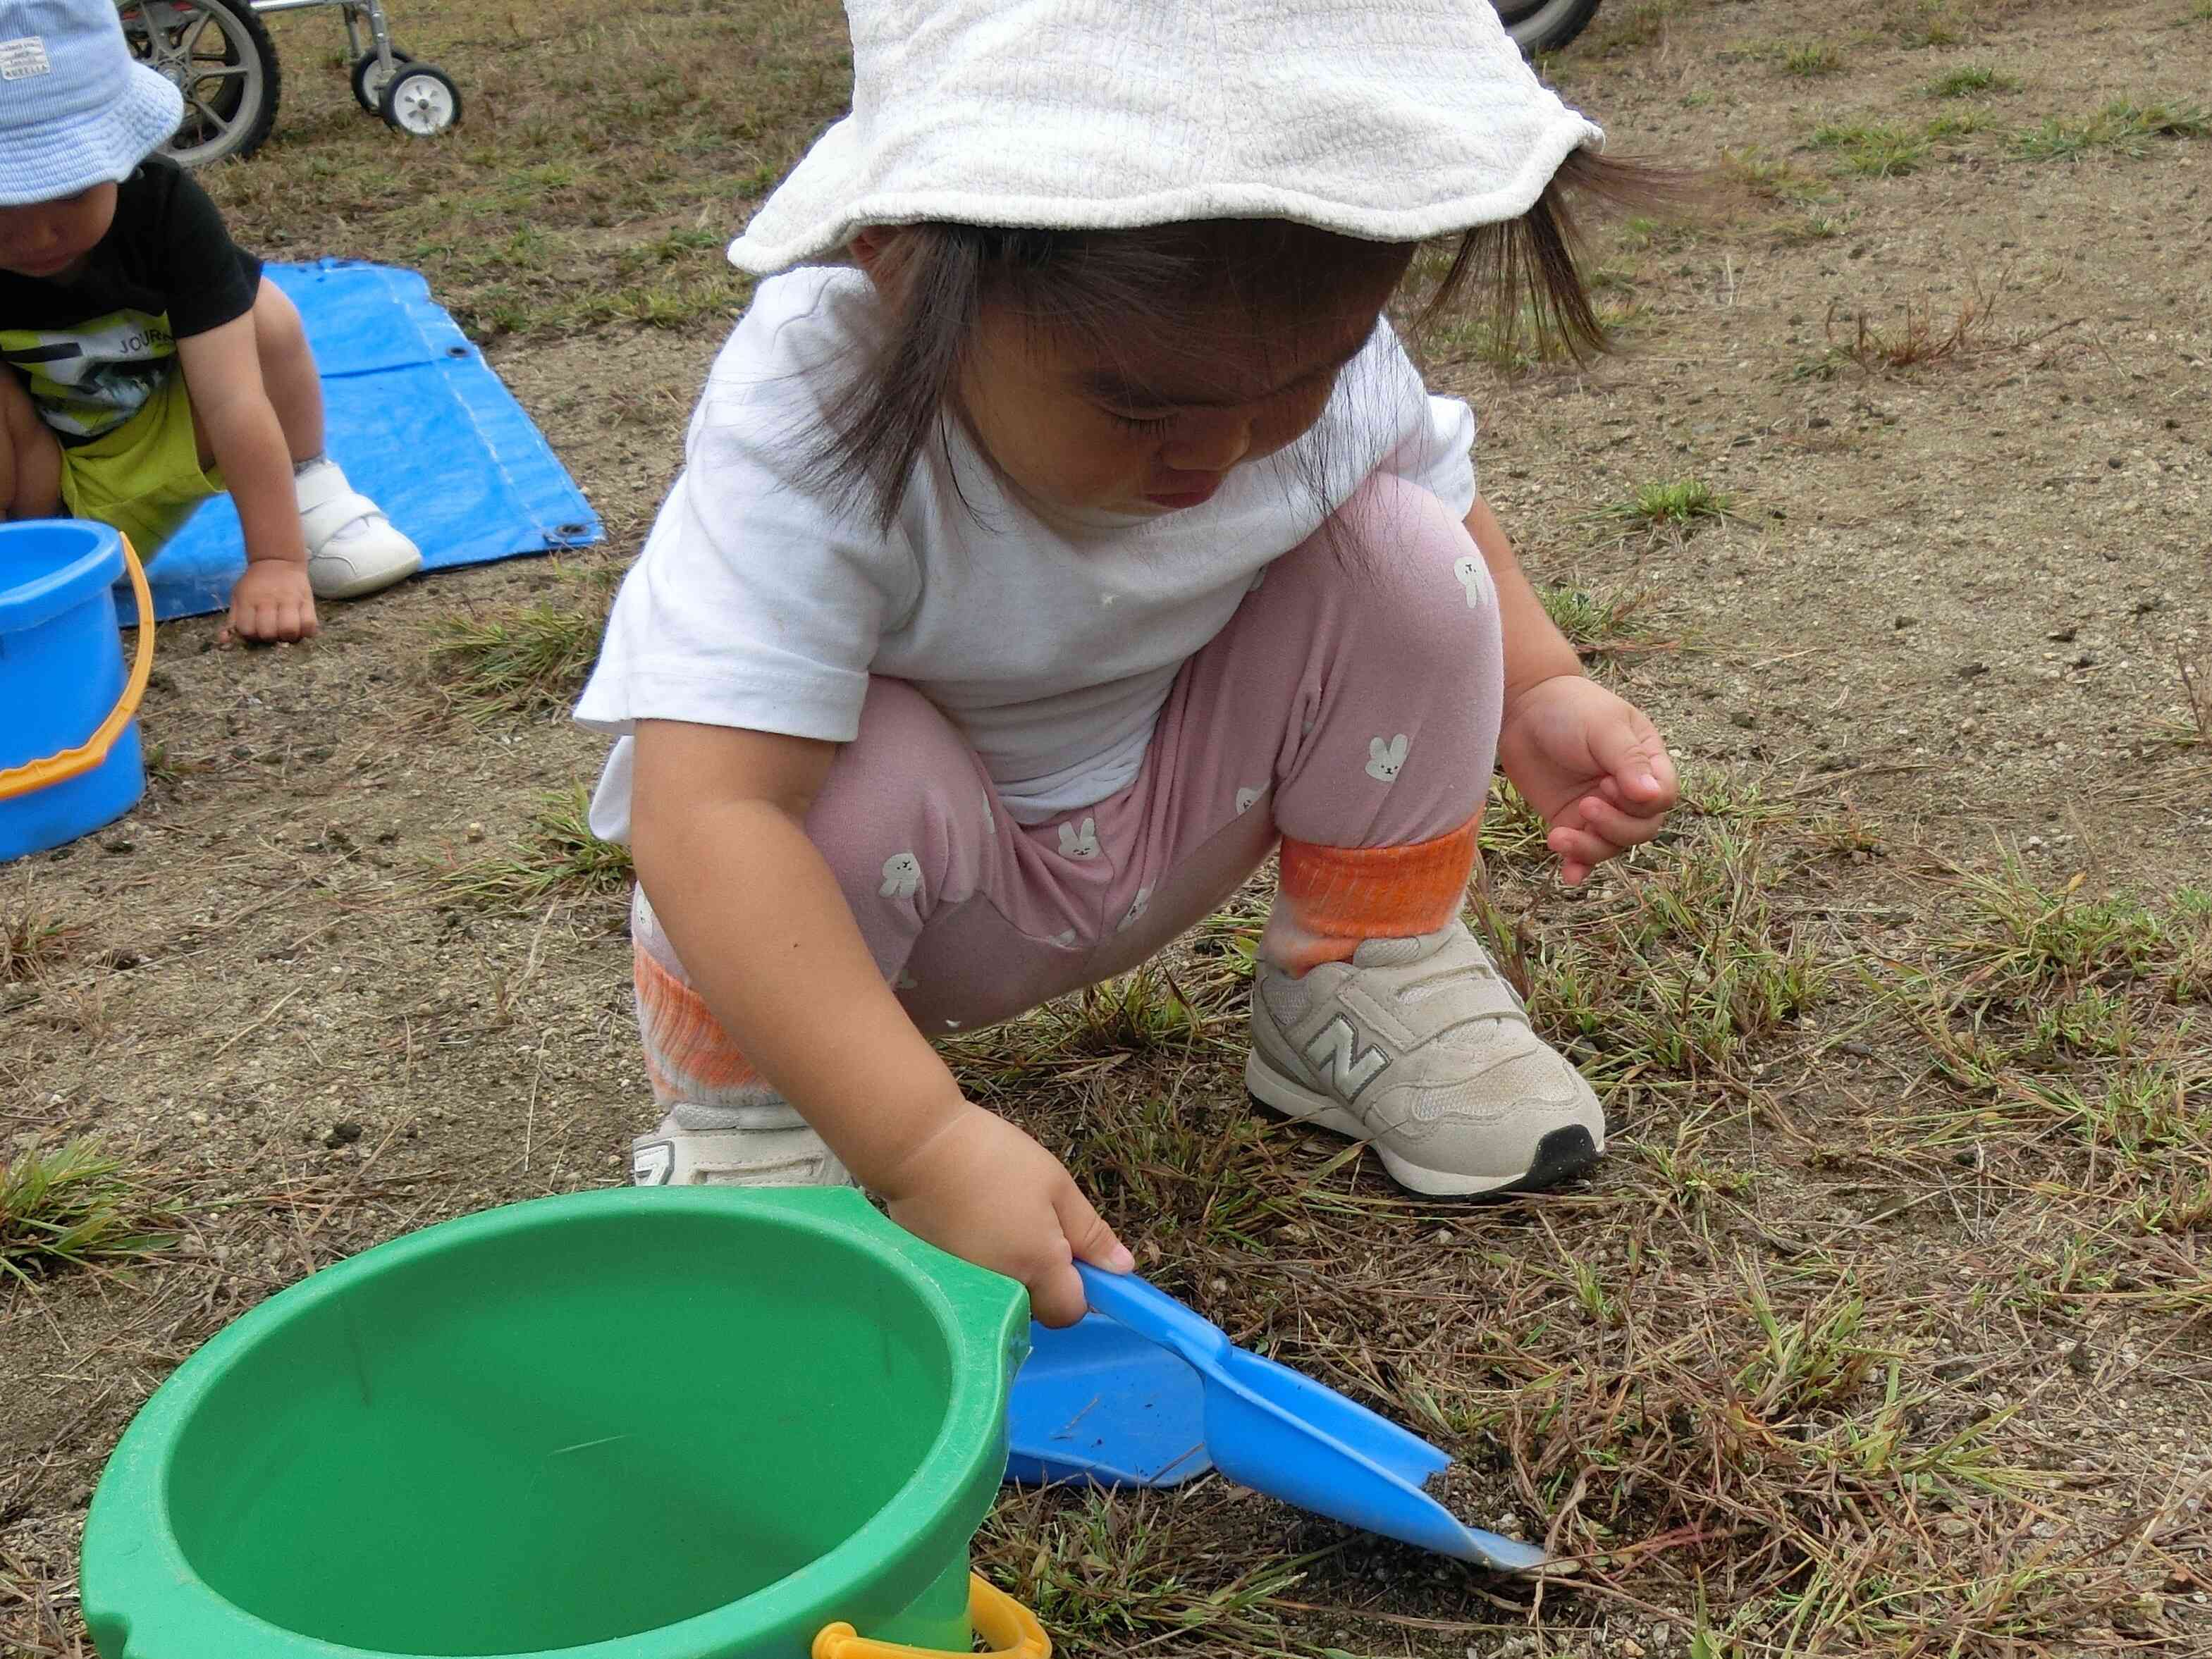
[1390,120]
[75,109]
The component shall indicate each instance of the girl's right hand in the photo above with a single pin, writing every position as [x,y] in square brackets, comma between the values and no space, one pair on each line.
[981,1189]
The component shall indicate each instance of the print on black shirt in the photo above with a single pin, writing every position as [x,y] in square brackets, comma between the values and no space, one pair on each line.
[92,349]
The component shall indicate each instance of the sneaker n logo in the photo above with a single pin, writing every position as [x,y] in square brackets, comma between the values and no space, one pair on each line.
[1330,1053]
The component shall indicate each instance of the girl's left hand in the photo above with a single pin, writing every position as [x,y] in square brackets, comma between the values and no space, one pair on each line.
[1592,764]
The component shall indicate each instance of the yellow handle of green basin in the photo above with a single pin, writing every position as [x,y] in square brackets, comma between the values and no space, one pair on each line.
[50,769]
[1011,1629]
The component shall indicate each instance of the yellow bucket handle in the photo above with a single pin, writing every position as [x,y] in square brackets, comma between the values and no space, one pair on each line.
[73,763]
[1011,1629]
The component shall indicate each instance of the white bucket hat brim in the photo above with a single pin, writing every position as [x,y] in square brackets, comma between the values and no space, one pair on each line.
[72,153]
[1390,120]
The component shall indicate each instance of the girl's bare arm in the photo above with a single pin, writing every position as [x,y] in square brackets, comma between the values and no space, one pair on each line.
[718,832]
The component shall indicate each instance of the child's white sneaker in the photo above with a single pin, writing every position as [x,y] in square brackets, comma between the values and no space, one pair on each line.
[1421,1048]
[734,1146]
[352,547]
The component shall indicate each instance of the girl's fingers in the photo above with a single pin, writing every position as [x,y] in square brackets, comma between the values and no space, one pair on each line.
[1056,1297]
[1089,1235]
[1623,830]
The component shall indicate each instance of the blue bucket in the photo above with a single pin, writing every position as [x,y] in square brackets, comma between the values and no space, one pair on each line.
[69,759]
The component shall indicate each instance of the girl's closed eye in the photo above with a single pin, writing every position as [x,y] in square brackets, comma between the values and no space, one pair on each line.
[1151,425]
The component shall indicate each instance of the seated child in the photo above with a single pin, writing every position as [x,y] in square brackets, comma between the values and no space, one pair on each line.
[152,365]
[1084,539]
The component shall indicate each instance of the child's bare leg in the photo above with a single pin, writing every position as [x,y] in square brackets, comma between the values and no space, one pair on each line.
[288,371]
[30,458]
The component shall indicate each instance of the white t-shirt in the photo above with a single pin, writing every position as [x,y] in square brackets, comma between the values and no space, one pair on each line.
[762,602]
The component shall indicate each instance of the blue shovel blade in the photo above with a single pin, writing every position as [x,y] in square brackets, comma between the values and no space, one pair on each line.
[1262,1425]
[1097,1403]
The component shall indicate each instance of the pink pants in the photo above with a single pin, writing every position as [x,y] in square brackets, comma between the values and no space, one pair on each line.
[1351,702]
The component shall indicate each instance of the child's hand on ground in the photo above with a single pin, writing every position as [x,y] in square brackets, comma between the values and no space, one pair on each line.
[1592,765]
[983,1190]
[272,602]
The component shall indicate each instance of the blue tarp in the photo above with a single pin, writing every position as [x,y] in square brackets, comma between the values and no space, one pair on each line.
[422,426]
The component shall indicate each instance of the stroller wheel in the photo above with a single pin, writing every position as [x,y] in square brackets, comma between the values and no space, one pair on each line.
[420,99]
[369,78]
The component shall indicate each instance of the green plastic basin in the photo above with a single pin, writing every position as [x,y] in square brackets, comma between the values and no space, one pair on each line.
[690,1423]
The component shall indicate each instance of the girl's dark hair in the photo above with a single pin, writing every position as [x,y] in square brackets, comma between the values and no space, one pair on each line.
[1185,291]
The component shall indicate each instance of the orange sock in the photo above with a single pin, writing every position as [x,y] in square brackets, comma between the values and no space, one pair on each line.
[687,1054]
[1331,898]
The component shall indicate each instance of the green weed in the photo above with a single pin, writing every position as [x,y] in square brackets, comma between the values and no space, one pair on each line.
[2123,127]
[1874,149]
[1968,79]
[73,1207]
[1677,504]
[556,860]
[1813,58]
[1595,624]
[2021,939]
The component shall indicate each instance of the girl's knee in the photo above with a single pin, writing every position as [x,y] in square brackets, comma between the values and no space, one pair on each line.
[1405,561]
[906,788]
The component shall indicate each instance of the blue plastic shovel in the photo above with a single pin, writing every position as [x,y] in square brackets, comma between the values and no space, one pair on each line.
[1143,1392]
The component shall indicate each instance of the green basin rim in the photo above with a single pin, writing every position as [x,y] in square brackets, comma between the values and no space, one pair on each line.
[137,1578]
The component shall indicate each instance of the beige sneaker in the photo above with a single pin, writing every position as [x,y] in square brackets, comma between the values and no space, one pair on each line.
[734,1146]
[1421,1048]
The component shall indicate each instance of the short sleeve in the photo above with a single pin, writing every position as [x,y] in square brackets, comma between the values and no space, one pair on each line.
[209,280]
[758,602]
[1436,450]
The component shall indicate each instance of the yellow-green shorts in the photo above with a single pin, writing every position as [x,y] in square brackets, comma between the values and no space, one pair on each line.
[144,477]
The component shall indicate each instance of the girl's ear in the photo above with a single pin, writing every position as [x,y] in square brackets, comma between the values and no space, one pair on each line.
[867,248]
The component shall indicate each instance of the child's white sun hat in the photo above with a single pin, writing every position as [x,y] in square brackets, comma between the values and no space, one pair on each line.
[1390,120]
[76,108]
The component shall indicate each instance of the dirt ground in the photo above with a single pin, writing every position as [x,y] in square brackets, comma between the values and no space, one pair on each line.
[1928,671]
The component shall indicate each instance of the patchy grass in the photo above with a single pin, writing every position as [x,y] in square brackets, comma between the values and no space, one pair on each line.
[32,945]
[2018,940]
[1812,59]
[1772,179]
[73,1207]
[1918,25]
[1815,228]
[1634,26]
[600,167]
[1596,623]
[1679,505]
[557,860]
[1687,969]
[2122,127]
[1874,149]
[530,659]
[1969,79]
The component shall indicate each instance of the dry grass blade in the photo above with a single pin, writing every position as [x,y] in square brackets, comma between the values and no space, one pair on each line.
[557,858]
[532,659]
[1916,339]
[31,944]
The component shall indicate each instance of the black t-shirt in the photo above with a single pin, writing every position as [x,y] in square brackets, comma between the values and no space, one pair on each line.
[92,349]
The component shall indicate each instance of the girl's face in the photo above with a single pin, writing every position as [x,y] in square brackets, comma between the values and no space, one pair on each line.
[49,239]
[1071,430]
